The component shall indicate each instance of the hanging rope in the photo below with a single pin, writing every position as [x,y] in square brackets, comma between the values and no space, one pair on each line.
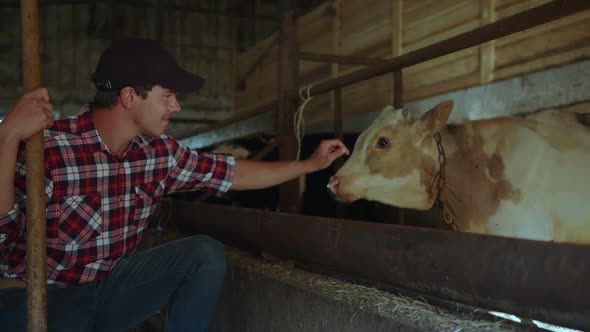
[298,121]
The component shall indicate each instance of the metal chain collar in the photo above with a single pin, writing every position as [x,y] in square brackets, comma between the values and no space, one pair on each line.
[441,181]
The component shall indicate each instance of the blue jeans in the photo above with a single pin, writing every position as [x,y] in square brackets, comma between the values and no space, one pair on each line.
[186,274]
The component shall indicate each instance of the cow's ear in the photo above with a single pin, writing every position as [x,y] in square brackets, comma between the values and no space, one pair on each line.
[433,120]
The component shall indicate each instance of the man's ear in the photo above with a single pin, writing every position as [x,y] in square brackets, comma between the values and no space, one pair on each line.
[435,119]
[127,96]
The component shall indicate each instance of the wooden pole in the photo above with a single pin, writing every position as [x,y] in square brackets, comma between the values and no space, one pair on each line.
[35,223]
[487,50]
[336,97]
[397,78]
[290,195]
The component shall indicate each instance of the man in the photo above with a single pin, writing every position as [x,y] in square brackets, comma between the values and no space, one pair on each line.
[105,172]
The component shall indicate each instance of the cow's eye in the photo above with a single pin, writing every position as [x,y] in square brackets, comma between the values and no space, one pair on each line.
[382,143]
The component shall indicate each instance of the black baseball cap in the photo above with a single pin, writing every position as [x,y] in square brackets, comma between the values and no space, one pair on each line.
[141,62]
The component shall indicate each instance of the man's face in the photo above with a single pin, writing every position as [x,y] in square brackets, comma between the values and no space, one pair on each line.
[152,114]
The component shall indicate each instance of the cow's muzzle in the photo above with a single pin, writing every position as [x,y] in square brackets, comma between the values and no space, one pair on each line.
[334,190]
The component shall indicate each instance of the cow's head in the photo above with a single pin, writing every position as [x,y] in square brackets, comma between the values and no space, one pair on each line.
[395,160]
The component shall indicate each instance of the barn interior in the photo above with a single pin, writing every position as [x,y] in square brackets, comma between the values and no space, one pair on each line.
[284,75]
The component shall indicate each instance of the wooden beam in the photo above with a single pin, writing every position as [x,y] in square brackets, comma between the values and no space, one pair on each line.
[241,83]
[499,98]
[336,98]
[266,150]
[289,192]
[534,279]
[487,50]
[35,219]
[340,59]
[397,26]
[148,4]
[396,50]
[531,18]
[336,94]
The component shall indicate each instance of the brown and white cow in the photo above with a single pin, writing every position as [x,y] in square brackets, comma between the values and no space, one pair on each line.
[524,176]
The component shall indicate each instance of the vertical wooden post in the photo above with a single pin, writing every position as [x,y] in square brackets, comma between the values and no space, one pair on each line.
[290,195]
[35,223]
[336,94]
[487,50]
[396,50]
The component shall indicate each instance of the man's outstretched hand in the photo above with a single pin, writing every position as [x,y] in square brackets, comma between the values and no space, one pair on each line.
[326,153]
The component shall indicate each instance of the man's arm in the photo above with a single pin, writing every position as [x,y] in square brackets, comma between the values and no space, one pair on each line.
[251,174]
[30,114]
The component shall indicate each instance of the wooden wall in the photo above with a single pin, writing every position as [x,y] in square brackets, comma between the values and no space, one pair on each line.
[383,28]
[74,33]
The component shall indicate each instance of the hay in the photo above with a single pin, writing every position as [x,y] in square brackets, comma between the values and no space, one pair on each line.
[410,311]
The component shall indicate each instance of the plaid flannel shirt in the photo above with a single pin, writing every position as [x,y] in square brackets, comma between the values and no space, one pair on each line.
[98,204]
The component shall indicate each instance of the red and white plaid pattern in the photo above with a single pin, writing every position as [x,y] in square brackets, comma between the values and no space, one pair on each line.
[98,203]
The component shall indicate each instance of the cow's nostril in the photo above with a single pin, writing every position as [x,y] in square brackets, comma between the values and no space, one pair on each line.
[333,185]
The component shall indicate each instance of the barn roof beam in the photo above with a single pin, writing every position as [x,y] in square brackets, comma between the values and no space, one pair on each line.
[534,279]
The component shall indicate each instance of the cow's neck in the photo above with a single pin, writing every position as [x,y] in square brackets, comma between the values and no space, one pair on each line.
[465,175]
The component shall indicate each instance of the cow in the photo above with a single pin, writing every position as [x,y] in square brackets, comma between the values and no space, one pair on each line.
[522,176]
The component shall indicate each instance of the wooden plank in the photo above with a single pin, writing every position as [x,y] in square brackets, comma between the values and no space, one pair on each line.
[338,59]
[546,61]
[500,98]
[439,18]
[355,15]
[443,60]
[315,25]
[456,28]
[375,38]
[491,272]
[550,42]
[546,13]
[450,70]
[506,9]
[487,52]
[416,10]
[414,6]
[561,24]
[366,38]
[457,83]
